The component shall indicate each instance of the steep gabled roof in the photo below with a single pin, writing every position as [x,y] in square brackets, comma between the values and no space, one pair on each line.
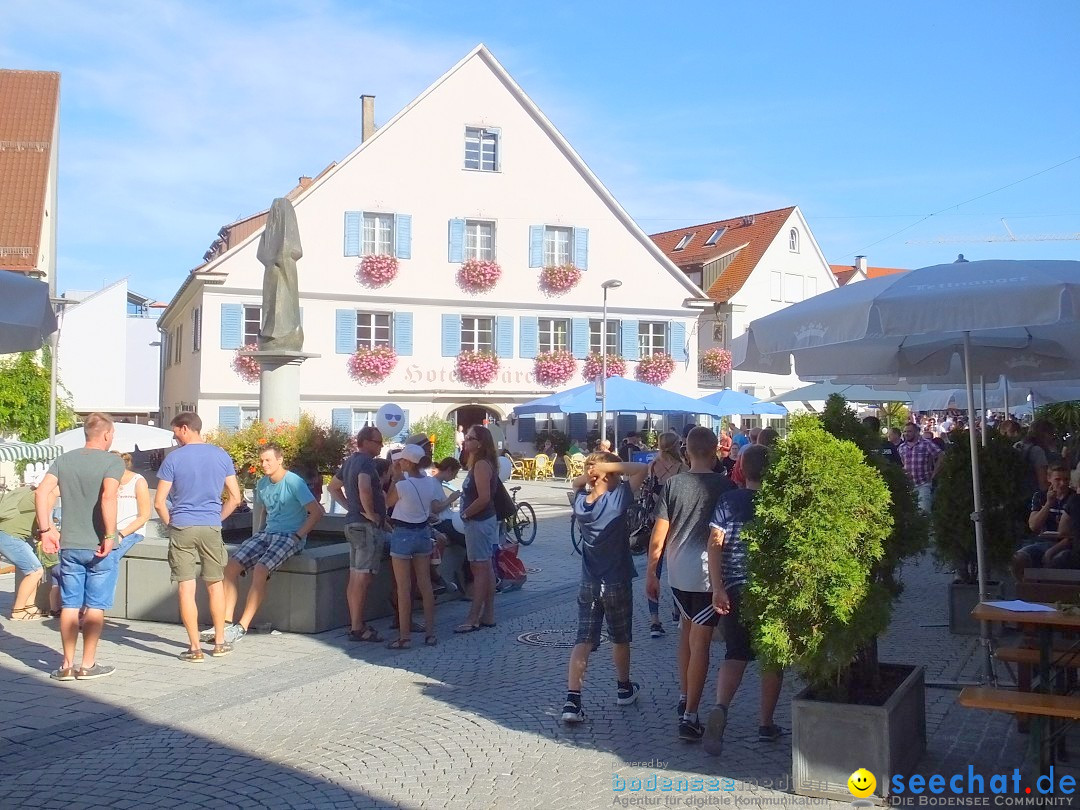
[751,235]
[844,272]
[29,103]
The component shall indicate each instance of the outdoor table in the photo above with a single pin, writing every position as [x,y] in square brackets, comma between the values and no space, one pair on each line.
[1045,622]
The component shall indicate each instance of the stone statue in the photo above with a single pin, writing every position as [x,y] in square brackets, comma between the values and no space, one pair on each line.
[279,249]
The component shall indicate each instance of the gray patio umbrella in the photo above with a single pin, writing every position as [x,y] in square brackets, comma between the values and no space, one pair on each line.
[26,316]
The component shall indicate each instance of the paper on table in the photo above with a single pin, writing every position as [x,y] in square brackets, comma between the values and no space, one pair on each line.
[1019,606]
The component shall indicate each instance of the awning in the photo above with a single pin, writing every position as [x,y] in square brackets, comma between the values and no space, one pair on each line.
[22,451]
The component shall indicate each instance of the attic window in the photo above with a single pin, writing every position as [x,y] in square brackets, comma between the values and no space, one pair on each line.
[793,240]
[712,240]
[684,241]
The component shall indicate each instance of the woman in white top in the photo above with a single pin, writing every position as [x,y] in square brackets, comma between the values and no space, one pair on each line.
[132,512]
[415,499]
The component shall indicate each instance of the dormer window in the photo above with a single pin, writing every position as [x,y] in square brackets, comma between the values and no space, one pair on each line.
[715,237]
[793,240]
[684,241]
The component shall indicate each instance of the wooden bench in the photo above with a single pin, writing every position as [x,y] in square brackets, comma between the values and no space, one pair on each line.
[1029,656]
[1008,700]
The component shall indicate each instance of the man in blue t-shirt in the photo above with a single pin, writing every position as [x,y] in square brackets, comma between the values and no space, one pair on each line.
[607,573]
[285,513]
[188,501]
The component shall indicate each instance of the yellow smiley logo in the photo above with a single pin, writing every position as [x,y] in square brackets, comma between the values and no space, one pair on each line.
[861,783]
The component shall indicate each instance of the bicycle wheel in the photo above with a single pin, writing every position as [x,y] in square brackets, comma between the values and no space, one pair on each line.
[575,535]
[525,523]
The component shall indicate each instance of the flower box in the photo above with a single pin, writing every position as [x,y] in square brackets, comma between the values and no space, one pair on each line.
[716,361]
[558,279]
[478,275]
[247,367]
[477,369]
[377,270]
[655,369]
[593,367]
[372,365]
[554,368]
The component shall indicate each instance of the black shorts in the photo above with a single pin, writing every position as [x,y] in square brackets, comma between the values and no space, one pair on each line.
[616,602]
[696,606]
[736,635]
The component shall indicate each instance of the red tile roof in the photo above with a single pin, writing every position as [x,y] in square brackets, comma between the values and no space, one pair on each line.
[844,272]
[29,104]
[755,231]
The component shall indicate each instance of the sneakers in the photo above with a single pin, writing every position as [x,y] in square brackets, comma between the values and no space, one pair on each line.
[680,710]
[233,633]
[770,733]
[690,730]
[63,674]
[628,696]
[572,713]
[713,738]
[656,630]
[96,671]
[208,635]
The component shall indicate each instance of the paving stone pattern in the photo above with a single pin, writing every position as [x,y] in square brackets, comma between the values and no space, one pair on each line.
[319,721]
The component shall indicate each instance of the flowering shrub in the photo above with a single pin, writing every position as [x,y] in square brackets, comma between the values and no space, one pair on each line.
[554,368]
[477,368]
[716,361]
[478,275]
[372,365]
[616,367]
[557,279]
[655,369]
[246,366]
[377,270]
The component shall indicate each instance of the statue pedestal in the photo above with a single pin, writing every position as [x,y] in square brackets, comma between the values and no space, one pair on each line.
[279,385]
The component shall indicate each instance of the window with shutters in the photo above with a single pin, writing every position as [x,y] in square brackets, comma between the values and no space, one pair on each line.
[377,235]
[481,149]
[196,329]
[554,334]
[373,329]
[558,246]
[361,419]
[612,336]
[249,415]
[477,334]
[479,239]
[252,325]
[652,337]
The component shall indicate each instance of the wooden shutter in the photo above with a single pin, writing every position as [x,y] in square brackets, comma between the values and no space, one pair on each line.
[529,336]
[630,348]
[232,326]
[677,340]
[345,331]
[352,232]
[403,236]
[229,417]
[451,335]
[526,431]
[579,337]
[581,248]
[341,420]
[504,336]
[403,334]
[536,246]
[456,248]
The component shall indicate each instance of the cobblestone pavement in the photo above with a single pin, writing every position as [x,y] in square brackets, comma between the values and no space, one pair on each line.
[317,721]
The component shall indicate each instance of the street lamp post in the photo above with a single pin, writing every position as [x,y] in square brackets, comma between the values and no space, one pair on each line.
[610,284]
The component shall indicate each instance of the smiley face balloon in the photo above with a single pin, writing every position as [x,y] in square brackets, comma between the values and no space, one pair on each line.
[861,783]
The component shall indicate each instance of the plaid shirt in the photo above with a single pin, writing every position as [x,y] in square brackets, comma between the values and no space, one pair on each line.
[919,459]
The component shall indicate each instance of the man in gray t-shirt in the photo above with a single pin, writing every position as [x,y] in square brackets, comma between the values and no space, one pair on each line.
[87,479]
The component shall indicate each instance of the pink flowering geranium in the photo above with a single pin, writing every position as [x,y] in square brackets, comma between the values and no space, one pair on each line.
[716,361]
[246,366]
[593,367]
[477,368]
[554,368]
[655,369]
[377,270]
[478,275]
[372,365]
[558,279]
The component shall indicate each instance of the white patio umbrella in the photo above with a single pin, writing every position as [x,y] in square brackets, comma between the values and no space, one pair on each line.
[820,391]
[128,437]
[1018,318]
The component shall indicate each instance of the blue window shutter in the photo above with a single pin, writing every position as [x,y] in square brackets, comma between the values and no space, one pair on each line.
[581,248]
[529,337]
[352,232]
[451,335]
[229,417]
[526,429]
[627,424]
[630,348]
[232,327]
[579,337]
[345,331]
[341,419]
[403,333]
[578,426]
[457,241]
[677,333]
[403,239]
[504,336]
[402,434]
[536,246]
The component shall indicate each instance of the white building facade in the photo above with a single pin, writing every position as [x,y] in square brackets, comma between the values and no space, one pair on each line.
[471,169]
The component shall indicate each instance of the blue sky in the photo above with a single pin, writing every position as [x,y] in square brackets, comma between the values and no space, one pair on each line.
[179,117]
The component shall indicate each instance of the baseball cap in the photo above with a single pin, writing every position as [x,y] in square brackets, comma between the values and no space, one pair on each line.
[409,452]
[420,439]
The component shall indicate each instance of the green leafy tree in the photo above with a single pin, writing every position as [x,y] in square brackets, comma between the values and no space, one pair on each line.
[894,414]
[442,429]
[24,397]
[822,519]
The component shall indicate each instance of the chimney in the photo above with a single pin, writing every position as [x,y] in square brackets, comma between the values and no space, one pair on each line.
[304,181]
[368,117]
[860,264]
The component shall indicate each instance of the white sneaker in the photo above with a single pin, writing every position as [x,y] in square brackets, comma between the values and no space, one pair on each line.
[572,713]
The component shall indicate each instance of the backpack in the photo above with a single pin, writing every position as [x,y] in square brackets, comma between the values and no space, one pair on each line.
[512,574]
[503,503]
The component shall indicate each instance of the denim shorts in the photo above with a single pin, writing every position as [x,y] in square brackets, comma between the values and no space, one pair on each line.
[481,536]
[118,553]
[86,579]
[19,552]
[407,542]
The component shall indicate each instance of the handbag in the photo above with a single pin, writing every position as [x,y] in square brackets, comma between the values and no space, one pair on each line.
[504,504]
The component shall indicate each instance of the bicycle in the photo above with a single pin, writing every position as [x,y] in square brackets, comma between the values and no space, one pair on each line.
[523,522]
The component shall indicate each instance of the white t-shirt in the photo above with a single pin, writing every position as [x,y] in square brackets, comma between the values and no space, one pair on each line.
[127,506]
[415,496]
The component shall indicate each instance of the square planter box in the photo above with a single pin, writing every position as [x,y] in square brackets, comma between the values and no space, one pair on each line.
[829,741]
[962,600]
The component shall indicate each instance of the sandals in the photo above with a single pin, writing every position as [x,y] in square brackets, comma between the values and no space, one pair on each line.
[430,641]
[369,633]
[466,628]
[414,627]
[27,614]
[399,644]
[192,656]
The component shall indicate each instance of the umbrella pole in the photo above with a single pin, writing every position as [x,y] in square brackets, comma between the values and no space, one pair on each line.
[976,491]
[982,407]
[1005,388]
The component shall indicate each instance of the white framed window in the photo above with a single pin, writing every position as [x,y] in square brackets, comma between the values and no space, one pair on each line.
[554,334]
[249,415]
[377,235]
[252,324]
[684,242]
[373,329]
[477,334]
[715,237]
[793,288]
[479,239]
[558,246]
[481,149]
[652,337]
[361,419]
[776,285]
[793,240]
[613,328]
[196,329]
